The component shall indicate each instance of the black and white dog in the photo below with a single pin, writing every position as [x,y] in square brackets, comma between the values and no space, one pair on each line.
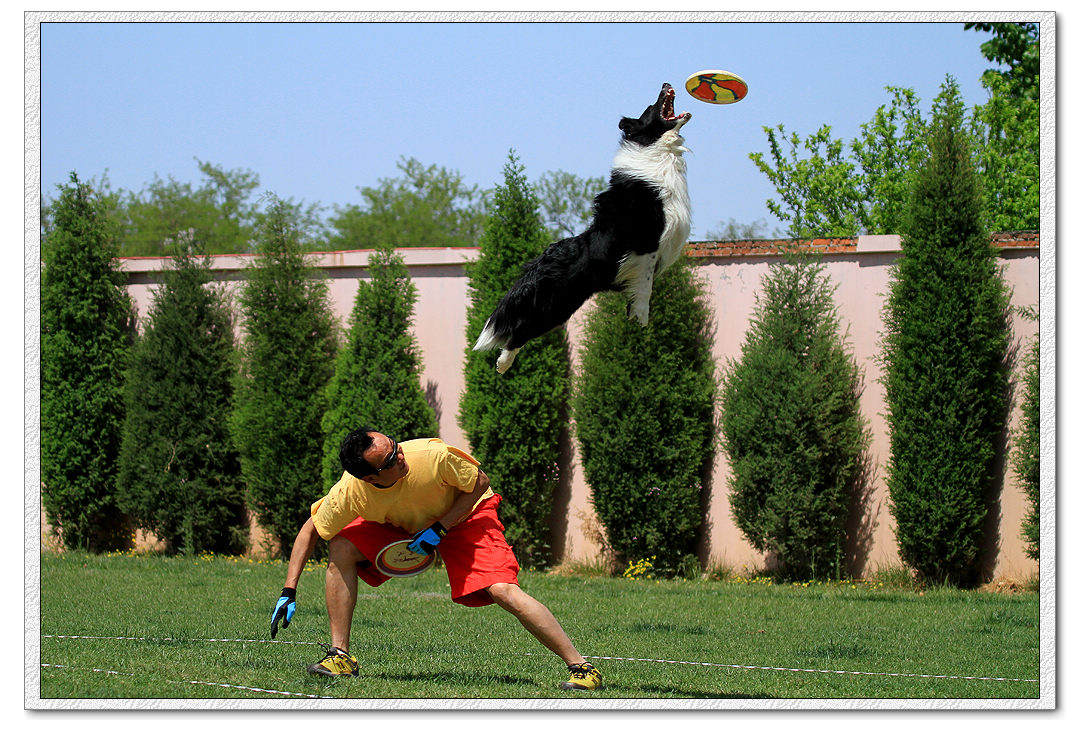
[639,227]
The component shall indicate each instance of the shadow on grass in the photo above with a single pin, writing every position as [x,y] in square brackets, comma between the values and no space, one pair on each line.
[886,597]
[666,691]
[652,628]
[457,678]
[472,680]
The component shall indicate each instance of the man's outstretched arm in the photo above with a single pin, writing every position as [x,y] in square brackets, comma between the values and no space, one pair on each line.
[301,552]
[286,605]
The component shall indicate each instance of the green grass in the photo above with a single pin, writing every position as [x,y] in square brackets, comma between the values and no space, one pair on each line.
[413,642]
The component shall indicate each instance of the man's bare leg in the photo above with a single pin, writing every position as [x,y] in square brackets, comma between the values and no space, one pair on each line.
[341,581]
[537,619]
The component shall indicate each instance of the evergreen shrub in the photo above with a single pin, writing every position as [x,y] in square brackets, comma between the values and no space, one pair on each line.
[1026,460]
[643,406]
[945,356]
[376,378]
[87,326]
[515,422]
[179,473]
[286,360]
[790,424]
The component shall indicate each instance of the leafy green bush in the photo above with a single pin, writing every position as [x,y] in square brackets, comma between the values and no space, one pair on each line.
[377,374]
[219,212]
[824,189]
[1008,155]
[87,325]
[286,361]
[643,404]
[945,358]
[428,206]
[179,472]
[791,426]
[515,421]
[1027,449]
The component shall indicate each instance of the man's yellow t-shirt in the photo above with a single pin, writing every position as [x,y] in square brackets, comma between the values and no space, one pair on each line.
[436,473]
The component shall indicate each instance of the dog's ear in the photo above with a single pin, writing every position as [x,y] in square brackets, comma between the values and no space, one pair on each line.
[629,123]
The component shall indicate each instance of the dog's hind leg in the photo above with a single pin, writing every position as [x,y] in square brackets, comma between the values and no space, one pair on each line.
[506,358]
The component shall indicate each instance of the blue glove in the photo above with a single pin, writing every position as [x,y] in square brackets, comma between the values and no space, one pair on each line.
[284,610]
[424,542]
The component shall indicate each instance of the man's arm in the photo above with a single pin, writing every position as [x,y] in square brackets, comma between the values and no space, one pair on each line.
[427,539]
[301,551]
[465,502]
[286,605]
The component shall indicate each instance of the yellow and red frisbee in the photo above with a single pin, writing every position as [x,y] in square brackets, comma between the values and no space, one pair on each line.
[716,87]
[395,560]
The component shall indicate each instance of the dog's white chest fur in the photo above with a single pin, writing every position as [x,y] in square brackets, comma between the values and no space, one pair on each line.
[662,165]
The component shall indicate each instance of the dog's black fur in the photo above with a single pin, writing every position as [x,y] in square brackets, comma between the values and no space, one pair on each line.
[628,221]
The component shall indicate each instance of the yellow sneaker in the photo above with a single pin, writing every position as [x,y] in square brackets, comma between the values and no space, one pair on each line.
[336,663]
[584,677]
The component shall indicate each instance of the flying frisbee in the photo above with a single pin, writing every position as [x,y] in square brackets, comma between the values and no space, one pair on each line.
[716,87]
[395,560]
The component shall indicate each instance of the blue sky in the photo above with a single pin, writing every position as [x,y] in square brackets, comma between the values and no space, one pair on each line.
[318,109]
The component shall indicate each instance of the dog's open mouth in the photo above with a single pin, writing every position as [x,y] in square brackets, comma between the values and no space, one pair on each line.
[667,107]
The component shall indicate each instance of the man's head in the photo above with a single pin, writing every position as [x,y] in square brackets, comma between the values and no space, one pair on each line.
[373,456]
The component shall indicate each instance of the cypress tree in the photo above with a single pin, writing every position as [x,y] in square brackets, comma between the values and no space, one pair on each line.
[1026,460]
[377,374]
[644,409]
[87,325]
[286,360]
[945,350]
[179,472]
[515,421]
[791,426]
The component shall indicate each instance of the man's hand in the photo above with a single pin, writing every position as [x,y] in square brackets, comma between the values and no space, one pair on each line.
[284,610]
[424,542]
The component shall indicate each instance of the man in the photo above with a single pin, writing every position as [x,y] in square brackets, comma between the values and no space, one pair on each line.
[438,495]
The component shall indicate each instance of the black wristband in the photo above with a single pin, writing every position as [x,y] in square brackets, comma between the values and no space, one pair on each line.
[439,528]
[289,592]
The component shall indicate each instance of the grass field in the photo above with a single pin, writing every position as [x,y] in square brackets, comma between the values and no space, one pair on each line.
[413,642]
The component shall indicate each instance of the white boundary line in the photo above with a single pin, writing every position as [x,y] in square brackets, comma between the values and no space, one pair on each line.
[809,670]
[598,658]
[185,640]
[185,681]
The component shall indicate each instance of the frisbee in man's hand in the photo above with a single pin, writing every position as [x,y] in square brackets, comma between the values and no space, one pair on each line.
[395,560]
[716,87]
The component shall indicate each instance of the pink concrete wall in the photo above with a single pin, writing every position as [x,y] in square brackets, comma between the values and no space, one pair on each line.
[732,276]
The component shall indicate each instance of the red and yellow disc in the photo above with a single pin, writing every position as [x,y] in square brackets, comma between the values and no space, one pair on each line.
[395,560]
[716,87]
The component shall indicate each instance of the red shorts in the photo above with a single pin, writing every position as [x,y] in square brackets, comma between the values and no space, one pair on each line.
[474,551]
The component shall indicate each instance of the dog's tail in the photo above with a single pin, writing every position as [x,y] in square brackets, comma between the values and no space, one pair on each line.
[488,339]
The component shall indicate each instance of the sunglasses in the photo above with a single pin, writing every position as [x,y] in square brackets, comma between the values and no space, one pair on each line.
[390,459]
